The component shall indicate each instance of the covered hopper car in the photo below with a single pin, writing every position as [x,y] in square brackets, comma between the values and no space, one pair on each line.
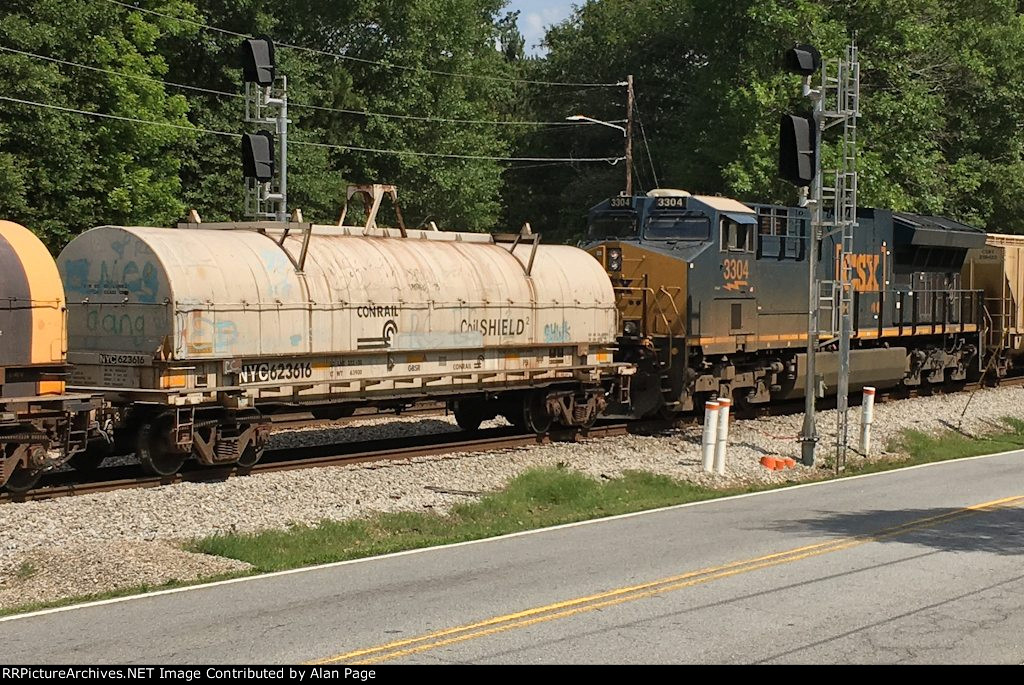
[195,334]
[41,425]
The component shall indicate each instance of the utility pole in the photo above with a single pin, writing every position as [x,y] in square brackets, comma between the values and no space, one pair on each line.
[629,135]
[800,164]
[809,432]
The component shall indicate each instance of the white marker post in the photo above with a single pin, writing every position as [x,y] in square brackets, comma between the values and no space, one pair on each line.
[867,416]
[710,434]
[723,435]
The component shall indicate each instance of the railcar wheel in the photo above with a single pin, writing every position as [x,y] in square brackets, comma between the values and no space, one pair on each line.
[92,456]
[467,415]
[155,453]
[250,455]
[23,480]
[535,412]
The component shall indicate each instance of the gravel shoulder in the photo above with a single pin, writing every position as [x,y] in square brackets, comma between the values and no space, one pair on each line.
[97,543]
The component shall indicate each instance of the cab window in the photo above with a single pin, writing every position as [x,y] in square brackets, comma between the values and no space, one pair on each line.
[605,225]
[735,237]
[677,226]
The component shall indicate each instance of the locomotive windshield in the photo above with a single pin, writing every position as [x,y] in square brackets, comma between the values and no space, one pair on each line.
[677,226]
[605,225]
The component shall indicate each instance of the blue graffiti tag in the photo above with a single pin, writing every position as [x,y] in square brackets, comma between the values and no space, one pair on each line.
[555,333]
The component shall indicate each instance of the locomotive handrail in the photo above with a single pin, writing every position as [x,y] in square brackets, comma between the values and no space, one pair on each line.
[661,312]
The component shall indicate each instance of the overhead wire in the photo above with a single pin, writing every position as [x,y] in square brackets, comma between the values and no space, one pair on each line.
[650,157]
[351,148]
[301,105]
[101,115]
[387,65]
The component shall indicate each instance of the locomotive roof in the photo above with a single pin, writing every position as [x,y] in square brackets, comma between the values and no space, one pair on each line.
[938,231]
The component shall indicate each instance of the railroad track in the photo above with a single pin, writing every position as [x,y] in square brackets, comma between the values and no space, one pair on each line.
[292,421]
[63,484]
[68,483]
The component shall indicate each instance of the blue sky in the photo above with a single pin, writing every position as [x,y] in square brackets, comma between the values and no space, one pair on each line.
[535,15]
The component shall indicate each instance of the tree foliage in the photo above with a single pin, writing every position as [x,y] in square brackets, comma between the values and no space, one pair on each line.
[942,84]
[942,81]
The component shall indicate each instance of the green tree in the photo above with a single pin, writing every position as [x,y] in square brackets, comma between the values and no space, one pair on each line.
[941,81]
[60,172]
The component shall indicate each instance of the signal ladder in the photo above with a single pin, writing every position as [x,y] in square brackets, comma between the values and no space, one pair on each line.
[838,218]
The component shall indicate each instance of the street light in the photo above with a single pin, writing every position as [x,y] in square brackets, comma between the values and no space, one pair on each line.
[580,117]
[625,134]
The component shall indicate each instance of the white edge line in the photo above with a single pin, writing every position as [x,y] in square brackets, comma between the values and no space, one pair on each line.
[507,536]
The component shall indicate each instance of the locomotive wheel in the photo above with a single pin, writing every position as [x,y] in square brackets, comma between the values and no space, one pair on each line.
[23,480]
[468,415]
[535,412]
[154,453]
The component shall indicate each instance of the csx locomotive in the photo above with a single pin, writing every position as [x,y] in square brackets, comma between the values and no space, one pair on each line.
[714,302]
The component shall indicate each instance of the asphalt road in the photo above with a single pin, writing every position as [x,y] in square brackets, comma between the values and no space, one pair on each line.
[920,566]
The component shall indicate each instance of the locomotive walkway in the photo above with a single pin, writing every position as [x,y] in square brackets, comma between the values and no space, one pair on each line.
[920,565]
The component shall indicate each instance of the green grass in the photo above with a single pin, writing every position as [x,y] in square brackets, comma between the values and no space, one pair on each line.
[923,448]
[544,497]
[535,499]
[25,570]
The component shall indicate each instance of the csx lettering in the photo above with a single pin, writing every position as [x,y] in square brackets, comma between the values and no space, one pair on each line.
[865,271]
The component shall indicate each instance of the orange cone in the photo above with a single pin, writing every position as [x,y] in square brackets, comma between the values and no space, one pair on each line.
[770,463]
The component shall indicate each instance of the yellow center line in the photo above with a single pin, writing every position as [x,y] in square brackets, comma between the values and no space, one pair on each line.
[564,609]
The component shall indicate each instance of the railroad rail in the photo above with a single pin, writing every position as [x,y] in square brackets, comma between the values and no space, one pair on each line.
[294,420]
[67,483]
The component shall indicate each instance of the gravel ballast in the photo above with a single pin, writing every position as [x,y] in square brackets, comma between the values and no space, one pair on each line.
[95,543]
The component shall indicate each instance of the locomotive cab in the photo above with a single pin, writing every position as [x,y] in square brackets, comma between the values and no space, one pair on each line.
[655,261]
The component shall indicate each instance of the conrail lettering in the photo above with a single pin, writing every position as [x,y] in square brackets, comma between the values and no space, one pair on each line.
[376,312]
[495,326]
